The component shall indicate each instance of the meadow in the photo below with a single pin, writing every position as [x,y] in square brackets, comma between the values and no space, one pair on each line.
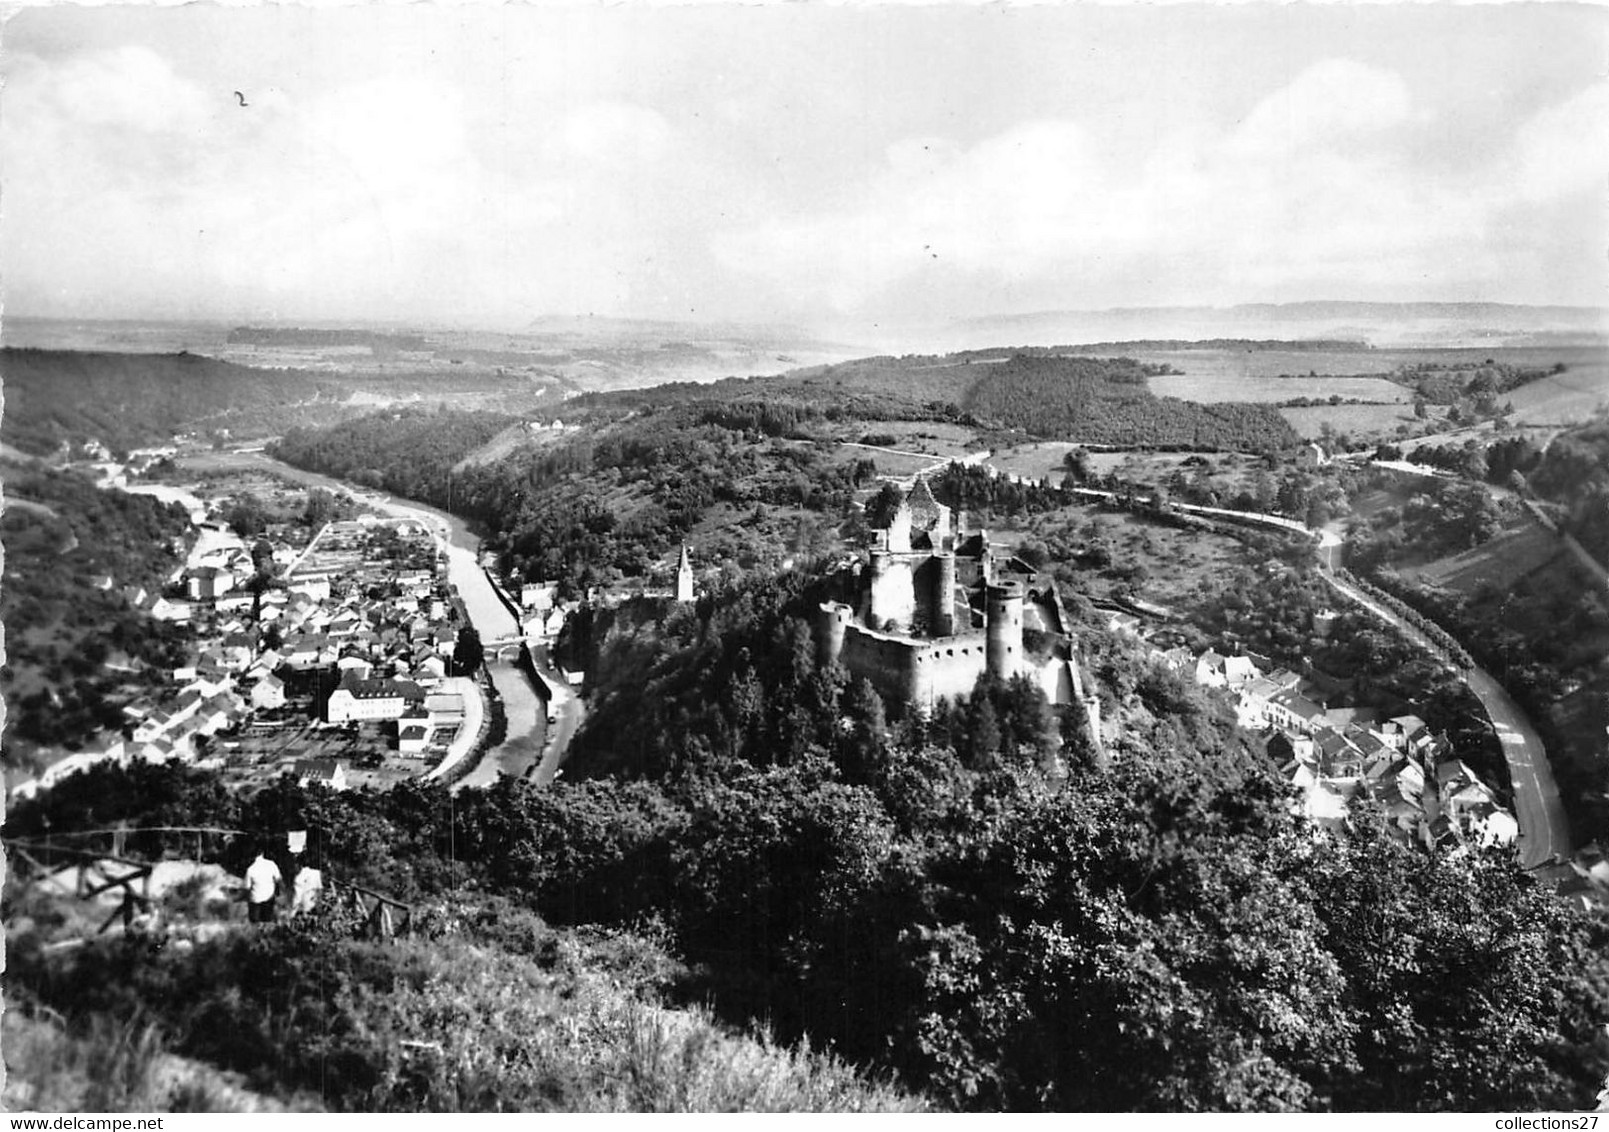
[1356,421]
[1499,564]
[1562,399]
[1221,380]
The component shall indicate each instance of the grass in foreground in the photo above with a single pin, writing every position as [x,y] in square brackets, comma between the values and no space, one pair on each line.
[498,1012]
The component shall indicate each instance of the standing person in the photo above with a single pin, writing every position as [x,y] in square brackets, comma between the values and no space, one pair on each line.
[263,883]
[307,885]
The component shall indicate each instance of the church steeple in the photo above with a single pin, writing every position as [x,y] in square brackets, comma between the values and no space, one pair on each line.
[684,576]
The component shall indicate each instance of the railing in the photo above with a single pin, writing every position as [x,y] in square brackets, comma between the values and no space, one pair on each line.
[383,917]
[94,876]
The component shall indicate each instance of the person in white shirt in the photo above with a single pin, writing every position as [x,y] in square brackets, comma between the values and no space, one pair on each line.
[263,882]
[306,888]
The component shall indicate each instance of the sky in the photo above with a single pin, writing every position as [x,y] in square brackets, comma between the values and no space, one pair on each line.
[815,165]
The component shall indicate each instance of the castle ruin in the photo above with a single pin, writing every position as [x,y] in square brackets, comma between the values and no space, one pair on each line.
[932,609]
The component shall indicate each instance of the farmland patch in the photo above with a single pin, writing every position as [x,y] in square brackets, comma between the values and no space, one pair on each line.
[1210,386]
[1499,563]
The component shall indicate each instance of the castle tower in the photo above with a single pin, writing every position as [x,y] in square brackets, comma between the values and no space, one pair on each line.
[944,596]
[684,577]
[899,529]
[1003,629]
[893,596]
[832,620]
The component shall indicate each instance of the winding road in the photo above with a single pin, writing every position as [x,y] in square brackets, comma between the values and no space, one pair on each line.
[1544,828]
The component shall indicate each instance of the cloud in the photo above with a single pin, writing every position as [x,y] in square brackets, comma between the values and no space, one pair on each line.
[371,198]
[1007,204]
[127,87]
[614,133]
[1320,189]
[1334,102]
[1560,150]
[413,176]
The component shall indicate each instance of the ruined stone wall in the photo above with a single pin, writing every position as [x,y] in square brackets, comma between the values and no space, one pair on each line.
[888,662]
[917,673]
[949,668]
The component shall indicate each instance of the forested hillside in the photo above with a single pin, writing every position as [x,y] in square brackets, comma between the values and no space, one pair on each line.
[1105,401]
[410,452]
[135,400]
[1043,393]
[607,502]
[1543,630]
[70,548]
[1574,473]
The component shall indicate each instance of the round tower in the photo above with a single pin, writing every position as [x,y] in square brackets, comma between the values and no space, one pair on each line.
[944,596]
[832,621]
[1003,629]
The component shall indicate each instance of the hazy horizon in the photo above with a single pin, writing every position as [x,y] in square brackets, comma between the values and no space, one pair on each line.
[828,168]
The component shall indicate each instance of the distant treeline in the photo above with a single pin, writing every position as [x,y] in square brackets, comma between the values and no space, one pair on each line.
[293,336]
[1093,400]
[1245,345]
[1105,401]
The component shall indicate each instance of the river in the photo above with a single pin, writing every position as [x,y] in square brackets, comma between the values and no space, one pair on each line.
[521,748]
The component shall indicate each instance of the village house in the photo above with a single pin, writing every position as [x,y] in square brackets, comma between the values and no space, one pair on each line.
[321,772]
[1289,708]
[164,609]
[539,596]
[445,709]
[268,693]
[1214,670]
[207,583]
[357,700]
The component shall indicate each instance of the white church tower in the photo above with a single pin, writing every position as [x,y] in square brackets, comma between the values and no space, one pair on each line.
[684,577]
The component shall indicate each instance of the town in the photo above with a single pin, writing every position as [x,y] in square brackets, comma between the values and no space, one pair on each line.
[340,654]
[805,558]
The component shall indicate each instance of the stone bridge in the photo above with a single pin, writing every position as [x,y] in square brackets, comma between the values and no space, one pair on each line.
[503,648]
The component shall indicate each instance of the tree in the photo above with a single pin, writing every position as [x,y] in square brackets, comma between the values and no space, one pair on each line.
[468,653]
[247,515]
[320,507]
[867,747]
[1077,464]
[881,507]
[1421,408]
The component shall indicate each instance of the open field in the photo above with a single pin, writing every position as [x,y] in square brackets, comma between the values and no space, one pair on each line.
[888,463]
[1376,363]
[1500,563]
[1566,398]
[1353,420]
[515,438]
[940,439]
[1254,375]
[1227,473]
[1158,563]
[1224,385]
[1035,461]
